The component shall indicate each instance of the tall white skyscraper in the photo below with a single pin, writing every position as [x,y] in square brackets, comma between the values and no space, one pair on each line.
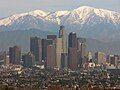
[62,34]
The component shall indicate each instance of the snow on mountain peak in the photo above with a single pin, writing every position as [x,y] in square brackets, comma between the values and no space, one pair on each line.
[85,7]
[80,15]
[87,12]
[9,20]
[38,13]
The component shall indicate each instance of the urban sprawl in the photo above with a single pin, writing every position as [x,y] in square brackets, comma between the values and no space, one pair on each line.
[55,63]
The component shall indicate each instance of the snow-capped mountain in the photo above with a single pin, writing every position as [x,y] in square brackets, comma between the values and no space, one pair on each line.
[87,21]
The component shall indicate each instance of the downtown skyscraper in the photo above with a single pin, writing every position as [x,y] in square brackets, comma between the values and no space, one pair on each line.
[62,34]
[72,58]
[72,42]
[72,51]
[15,55]
[58,52]
[36,49]
[50,60]
[81,47]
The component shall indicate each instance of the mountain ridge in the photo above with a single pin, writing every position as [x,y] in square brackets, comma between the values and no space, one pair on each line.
[86,21]
[43,14]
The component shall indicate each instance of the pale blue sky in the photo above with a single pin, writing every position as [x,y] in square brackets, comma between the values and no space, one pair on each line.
[9,7]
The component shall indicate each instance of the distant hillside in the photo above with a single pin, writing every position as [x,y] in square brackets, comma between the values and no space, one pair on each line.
[20,37]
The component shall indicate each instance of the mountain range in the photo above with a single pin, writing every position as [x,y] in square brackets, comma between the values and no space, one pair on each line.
[87,21]
[101,27]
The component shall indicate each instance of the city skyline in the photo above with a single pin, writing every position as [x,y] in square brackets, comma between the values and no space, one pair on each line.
[59,45]
[65,53]
[48,66]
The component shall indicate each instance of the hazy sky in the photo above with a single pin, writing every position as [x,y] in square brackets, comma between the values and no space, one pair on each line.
[9,7]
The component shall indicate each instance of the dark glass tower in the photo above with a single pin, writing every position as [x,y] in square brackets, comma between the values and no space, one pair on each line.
[45,43]
[72,40]
[72,58]
[36,49]
[15,55]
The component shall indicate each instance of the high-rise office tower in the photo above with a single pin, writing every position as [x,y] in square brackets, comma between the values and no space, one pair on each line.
[62,34]
[72,58]
[50,61]
[114,60]
[72,51]
[28,60]
[45,43]
[108,58]
[43,48]
[58,52]
[36,49]
[15,55]
[100,57]
[54,38]
[72,40]
[81,46]
[79,58]
[64,60]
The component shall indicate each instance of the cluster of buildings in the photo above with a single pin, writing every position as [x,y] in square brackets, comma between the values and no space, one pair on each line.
[55,51]
[52,52]
[58,62]
[107,61]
